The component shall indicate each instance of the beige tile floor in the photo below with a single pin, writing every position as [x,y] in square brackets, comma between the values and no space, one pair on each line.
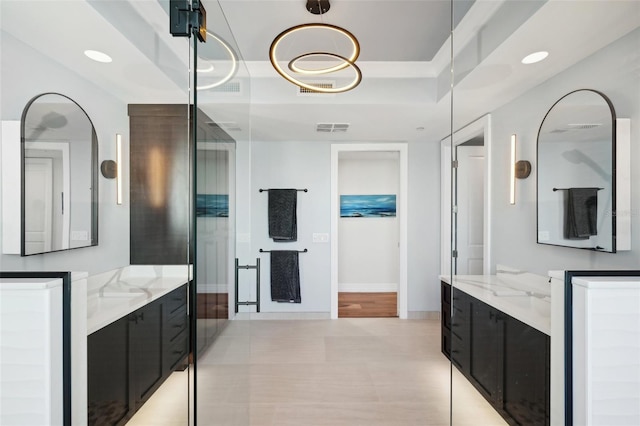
[351,371]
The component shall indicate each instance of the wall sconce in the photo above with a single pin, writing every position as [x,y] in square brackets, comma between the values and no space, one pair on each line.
[113,169]
[518,169]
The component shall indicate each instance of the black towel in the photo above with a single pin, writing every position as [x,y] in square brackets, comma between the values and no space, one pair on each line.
[581,213]
[282,215]
[285,276]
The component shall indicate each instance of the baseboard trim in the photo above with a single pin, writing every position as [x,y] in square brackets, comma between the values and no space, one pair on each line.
[428,315]
[282,316]
[243,316]
[367,287]
[212,288]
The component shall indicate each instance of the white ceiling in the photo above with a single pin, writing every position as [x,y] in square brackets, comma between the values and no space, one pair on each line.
[404,58]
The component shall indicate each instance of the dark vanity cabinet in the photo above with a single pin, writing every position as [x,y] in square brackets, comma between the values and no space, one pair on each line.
[175,341]
[455,326]
[485,349]
[130,358]
[506,360]
[145,343]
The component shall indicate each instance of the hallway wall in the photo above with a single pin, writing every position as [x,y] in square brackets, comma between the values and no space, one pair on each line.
[308,165]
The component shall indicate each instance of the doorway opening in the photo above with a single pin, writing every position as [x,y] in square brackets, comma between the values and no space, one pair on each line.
[369,230]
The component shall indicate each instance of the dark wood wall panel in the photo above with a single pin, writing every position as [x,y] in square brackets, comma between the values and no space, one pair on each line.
[160,175]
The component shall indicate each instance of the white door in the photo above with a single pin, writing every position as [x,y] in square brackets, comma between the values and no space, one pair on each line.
[38,204]
[470,216]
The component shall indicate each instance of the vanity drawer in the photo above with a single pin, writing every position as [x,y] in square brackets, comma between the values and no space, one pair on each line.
[445,292]
[176,324]
[176,350]
[446,316]
[459,353]
[175,301]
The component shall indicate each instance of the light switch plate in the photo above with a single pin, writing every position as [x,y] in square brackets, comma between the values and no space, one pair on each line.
[320,237]
[79,235]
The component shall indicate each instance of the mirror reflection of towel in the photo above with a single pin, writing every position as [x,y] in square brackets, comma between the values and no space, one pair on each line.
[285,276]
[282,215]
[581,213]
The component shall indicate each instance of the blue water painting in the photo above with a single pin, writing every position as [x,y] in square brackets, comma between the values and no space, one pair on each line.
[212,205]
[368,205]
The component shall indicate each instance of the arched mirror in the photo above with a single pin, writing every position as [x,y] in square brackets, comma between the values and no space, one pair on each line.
[59,176]
[576,173]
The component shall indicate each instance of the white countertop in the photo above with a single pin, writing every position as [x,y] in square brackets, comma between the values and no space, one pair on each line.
[29,283]
[558,274]
[526,298]
[615,282]
[115,294]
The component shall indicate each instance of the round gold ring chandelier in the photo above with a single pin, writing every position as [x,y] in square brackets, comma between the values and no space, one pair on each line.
[209,68]
[294,64]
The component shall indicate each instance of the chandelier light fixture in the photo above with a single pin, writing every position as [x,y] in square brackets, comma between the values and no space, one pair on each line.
[206,66]
[321,62]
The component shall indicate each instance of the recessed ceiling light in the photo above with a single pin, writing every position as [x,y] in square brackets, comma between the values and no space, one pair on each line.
[98,56]
[535,57]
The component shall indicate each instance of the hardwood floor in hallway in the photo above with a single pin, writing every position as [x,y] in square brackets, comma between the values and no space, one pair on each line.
[367,305]
[349,371]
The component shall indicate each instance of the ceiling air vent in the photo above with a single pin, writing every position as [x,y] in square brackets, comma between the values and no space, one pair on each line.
[303,91]
[229,126]
[332,127]
[577,126]
[584,126]
[228,87]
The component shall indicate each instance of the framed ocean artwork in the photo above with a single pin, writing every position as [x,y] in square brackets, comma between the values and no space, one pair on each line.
[379,205]
[212,205]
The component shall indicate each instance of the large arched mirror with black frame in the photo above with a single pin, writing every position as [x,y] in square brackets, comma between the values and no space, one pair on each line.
[576,187]
[59,154]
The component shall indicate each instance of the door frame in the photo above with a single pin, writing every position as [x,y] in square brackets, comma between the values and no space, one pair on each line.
[481,126]
[64,149]
[402,204]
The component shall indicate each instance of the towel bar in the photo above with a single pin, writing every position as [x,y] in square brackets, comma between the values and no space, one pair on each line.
[256,302]
[566,189]
[267,190]
[269,251]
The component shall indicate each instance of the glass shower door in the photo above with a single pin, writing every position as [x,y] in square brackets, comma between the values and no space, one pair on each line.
[221,95]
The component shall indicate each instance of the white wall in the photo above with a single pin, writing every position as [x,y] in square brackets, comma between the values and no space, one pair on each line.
[613,71]
[308,165]
[368,247]
[293,165]
[423,249]
[25,74]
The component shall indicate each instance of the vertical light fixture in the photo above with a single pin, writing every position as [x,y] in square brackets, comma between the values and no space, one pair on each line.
[118,168]
[512,171]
